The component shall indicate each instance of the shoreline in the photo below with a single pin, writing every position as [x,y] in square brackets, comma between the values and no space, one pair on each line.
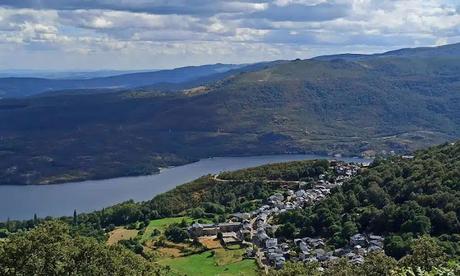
[162,169]
[89,195]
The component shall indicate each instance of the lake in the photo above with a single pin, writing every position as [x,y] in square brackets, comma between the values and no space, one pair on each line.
[22,202]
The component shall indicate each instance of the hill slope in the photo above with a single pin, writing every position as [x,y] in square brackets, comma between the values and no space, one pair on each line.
[399,198]
[336,106]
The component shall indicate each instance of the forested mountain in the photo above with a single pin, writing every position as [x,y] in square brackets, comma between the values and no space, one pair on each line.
[400,102]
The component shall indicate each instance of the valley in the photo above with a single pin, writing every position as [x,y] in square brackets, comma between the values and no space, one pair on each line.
[230,137]
[367,107]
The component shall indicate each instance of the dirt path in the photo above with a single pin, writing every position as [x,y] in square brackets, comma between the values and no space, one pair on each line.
[216,178]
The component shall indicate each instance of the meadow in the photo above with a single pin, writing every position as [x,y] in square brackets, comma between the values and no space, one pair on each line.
[215,262]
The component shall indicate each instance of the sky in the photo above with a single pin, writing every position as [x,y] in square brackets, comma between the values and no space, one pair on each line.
[157,34]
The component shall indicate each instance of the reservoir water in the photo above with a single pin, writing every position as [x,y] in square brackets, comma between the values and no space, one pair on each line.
[22,202]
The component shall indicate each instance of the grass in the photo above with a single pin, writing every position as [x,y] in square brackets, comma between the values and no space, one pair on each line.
[121,234]
[161,224]
[224,257]
[216,262]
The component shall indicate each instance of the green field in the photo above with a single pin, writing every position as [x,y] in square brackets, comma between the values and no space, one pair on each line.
[210,263]
[215,262]
[161,225]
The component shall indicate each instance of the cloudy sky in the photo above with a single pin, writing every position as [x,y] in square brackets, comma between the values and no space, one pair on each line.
[146,34]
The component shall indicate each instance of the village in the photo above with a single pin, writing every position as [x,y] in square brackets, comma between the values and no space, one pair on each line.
[254,230]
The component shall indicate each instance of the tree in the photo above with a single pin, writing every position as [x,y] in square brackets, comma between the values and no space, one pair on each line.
[35,219]
[183,223]
[110,228]
[342,267]
[133,245]
[377,196]
[3,233]
[176,234]
[286,231]
[297,268]
[349,229]
[75,219]
[49,249]
[396,246]
[426,254]
[377,264]
[156,232]
[8,225]
[197,213]
[417,225]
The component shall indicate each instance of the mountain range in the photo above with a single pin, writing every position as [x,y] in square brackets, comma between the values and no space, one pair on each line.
[62,74]
[28,86]
[343,104]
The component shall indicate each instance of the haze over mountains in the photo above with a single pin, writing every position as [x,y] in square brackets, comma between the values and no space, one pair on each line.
[348,104]
[59,74]
[28,86]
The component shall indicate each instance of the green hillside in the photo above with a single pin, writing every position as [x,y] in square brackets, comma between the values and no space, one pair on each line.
[355,107]
[400,198]
[412,202]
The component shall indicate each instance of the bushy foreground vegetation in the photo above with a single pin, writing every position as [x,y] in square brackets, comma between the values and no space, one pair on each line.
[51,249]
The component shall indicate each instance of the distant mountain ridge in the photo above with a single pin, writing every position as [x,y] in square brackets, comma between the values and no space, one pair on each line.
[172,78]
[451,50]
[27,86]
[52,74]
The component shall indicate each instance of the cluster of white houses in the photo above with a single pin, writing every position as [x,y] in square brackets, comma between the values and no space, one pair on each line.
[312,249]
[255,226]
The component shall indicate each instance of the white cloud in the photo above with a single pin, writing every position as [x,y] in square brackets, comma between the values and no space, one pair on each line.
[154,34]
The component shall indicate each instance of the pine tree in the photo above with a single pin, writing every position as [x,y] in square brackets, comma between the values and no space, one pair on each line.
[75,221]
[8,225]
